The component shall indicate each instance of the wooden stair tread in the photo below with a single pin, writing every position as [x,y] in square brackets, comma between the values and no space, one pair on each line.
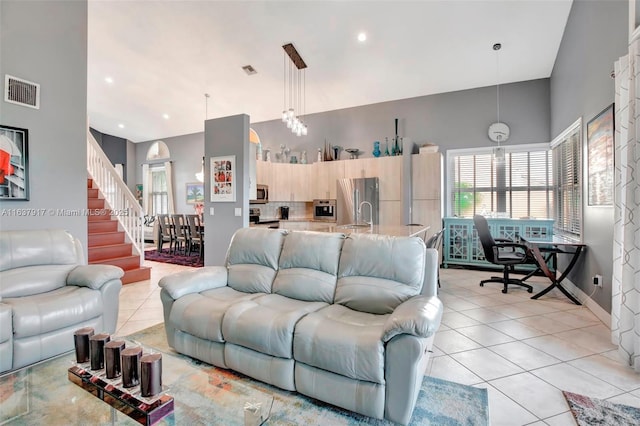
[142,273]
[124,262]
[103,226]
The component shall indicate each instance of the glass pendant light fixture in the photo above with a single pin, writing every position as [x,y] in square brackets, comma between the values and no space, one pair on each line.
[294,97]
[498,131]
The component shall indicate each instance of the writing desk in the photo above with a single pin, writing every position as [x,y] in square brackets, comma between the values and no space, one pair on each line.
[558,245]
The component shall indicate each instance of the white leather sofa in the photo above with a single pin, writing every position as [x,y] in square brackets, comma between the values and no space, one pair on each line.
[47,292]
[348,320]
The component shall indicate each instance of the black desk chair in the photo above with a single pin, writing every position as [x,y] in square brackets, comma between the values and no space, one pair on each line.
[502,251]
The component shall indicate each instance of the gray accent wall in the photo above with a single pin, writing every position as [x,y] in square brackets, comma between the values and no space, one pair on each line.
[451,120]
[115,148]
[595,37]
[227,136]
[46,42]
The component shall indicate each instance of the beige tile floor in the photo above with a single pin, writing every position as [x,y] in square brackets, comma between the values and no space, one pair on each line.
[523,351]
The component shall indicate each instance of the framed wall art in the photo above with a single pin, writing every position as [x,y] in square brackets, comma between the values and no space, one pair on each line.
[14,163]
[600,150]
[195,192]
[223,178]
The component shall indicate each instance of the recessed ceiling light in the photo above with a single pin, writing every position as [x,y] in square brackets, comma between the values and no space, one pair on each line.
[165,116]
[121,125]
[362,37]
[109,80]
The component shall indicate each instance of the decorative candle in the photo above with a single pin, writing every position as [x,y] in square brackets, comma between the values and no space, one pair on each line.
[112,364]
[150,374]
[96,346]
[131,366]
[81,342]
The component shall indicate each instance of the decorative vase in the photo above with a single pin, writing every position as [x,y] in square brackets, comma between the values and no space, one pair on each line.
[336,152]
[376,149]
[386,147]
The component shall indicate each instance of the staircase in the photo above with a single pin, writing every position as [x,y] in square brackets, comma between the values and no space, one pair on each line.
[106,243]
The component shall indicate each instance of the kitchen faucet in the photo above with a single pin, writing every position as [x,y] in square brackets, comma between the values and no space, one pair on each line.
[370,223]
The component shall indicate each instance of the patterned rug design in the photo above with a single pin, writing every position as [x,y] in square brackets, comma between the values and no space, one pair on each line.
[165,257]
[440,402]
[592,411]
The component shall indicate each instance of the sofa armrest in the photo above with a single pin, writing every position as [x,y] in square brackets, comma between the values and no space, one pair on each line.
[93,276]
[187,282]
[419,316]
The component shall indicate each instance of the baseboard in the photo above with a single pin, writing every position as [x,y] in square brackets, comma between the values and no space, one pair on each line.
[588,302]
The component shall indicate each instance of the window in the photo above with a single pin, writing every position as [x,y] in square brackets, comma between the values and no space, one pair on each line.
[159,194]
[567,181]
[517,183]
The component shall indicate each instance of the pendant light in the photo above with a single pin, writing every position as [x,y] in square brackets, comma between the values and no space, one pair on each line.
[294,88]
[498,131]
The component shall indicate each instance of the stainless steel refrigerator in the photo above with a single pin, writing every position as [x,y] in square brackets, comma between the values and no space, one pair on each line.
[354,195]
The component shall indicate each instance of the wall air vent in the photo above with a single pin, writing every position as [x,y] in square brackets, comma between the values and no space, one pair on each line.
[249,70]
[21,92]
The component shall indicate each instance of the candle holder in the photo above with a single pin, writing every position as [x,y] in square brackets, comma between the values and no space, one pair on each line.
[112,358]
[81,343]
[150,375]
[131,367]
[96,349]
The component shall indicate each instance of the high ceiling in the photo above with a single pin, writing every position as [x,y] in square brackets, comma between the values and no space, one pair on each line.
[163,56]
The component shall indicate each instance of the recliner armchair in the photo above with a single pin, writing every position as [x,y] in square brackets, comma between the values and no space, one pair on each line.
[503,252]
[47,292]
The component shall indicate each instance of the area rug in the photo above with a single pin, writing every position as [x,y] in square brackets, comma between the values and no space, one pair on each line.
[592,411]
[440,402]
[165,257]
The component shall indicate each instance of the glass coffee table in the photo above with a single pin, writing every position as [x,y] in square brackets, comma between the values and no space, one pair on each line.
[203,394]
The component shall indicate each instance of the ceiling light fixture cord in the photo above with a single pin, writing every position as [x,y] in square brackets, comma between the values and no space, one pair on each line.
[497,47]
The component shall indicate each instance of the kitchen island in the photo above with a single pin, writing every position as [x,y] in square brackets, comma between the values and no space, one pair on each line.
[393,230]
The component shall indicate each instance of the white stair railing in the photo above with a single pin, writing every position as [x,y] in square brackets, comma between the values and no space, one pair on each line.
[121,201]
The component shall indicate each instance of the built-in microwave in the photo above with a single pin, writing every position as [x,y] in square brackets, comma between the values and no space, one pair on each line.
[324,210]
[262,195]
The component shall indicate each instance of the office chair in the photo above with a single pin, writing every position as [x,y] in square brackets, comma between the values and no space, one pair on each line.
[501,252]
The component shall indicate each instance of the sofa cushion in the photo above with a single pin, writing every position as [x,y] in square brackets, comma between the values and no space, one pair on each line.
[53,310]
[200,314]
[379,272]
[37,247]
[342,341]
[30,280]
[266,323]
[309,266]
[6,326]
[252,259]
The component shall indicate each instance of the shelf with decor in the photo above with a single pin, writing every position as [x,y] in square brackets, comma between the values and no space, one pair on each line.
[462,245]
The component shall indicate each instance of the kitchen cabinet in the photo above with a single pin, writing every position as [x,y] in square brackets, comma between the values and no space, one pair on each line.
[426,176]
[289,182]
[390,172]
[263,173]
[325,175]
[426,188]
